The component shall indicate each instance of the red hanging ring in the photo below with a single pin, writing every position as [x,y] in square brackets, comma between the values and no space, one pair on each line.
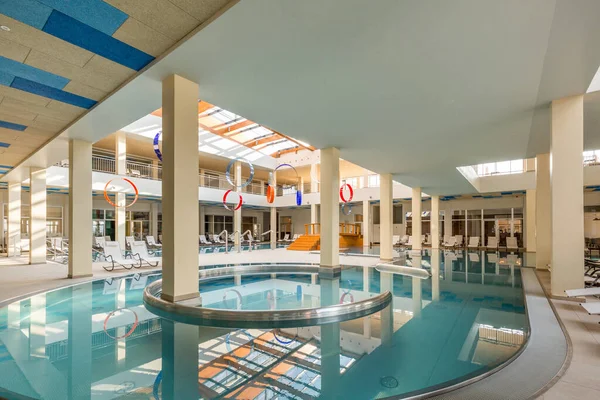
[239,205]
[115,205]
[270,194]
[345,185]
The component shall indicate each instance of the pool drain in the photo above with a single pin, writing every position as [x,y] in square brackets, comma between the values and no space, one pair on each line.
[389,382]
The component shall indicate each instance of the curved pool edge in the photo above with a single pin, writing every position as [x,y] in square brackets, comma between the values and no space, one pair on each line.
[514,371]
[302,317]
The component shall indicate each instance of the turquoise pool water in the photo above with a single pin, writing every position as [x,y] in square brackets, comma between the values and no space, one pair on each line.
[97,340]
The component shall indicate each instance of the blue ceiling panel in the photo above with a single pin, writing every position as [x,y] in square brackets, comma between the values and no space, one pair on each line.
[52,93]
[95,13]
[25,71]
[13,126]
[29,12]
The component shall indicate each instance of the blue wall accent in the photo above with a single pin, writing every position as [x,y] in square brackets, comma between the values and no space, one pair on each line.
[10,125]
[2,144]
[29,12]
[95,13]
[6,78]
[69,29]
[52,93]
[31,73]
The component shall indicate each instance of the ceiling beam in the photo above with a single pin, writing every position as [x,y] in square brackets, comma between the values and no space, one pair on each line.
[265,139]
[286,151]
[232,128]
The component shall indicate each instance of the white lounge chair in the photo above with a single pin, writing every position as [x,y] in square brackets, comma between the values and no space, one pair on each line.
[474,257]
[493,258]
[286,238]
[152,243]
[492,243]
[423,238]
[57,250]
[427,240]
[473,242]
[296,236]
[511,243]
[217,239]
[112,253]
[395,240]
[459,241]
[203,241]
[128,242]
[591,291]
[410,241]
[100,241]
[404,239]
[451,242]
[591,308]
[139,250]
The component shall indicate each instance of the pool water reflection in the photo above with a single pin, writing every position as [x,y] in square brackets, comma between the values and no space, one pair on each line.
[97,340]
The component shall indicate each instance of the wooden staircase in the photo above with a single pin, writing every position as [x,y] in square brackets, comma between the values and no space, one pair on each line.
[306,243]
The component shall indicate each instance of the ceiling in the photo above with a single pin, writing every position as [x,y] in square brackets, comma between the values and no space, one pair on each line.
[415,89]
[59,58]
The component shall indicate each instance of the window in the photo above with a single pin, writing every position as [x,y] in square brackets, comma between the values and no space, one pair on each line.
[501,168]
[373,180]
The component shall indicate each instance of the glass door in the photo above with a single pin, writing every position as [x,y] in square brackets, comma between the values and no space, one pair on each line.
[489,229]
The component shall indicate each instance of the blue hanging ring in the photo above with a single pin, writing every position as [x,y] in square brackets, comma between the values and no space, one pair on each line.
[156,148]
[156,385]
[298,197]
[298,191]
[228,173]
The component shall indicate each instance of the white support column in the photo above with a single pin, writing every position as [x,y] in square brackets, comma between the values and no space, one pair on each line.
[543,218]
[273,228]
[448,222]
[435,222]
[314,217]
[180,358]
[155,168]
[154,220]
[386,217]
[180,189]
[566,186]
[330,209]
[37,216]
[80,209]
[530,201]
[13,240]
[314,186]
[120,198]
[416,218]
[237,214]
[201,223]
[366,226]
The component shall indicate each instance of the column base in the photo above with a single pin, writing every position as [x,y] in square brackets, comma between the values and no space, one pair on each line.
[79,276]
[174,299]
[386,259]
[330,272]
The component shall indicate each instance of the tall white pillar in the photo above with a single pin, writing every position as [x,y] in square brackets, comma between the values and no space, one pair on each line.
[448,222]
[366,225]
[386,217]
[180,359]
[314,185]
[543,212]
[237,214]
[435,222]
[330,207]
[180,189]
[202,225]
[530,212]
[120,198]
[435,275]
[314,213]
[416,218]
[13,240]
[80,209]
[79,346]
[154,220]
[566,185]
[37,217]
[273,222]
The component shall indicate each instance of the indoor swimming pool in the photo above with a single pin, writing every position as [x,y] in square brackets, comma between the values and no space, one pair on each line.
[98,340]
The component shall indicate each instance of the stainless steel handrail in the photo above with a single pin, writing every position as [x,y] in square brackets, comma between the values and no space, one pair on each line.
[197,315]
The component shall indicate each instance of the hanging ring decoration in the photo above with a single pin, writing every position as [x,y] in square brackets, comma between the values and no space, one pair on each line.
[346,210]
[156,148]
[239,204]
[270,194]
[298,191]
[135,324]
[284,342]
[350,190]
[111,202]
[156,386]
[228,173]
[239,296]
[249,336]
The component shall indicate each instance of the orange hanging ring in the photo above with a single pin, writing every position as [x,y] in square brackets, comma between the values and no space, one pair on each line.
[135,189]
[270,194]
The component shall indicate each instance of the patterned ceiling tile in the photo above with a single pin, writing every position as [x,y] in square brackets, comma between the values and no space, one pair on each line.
[95,13]
[10,117]
[66,112]
[22,114]
[85,90]
[13,50]
[32,38]
[160,15]
[141,36]
[9,92]
[200,9]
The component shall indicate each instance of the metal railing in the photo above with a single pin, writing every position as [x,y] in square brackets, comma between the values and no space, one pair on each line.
[143,170]
[103,164]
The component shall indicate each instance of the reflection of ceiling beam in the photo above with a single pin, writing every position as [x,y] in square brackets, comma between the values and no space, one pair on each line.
[265,139]
[286,151]
[232,128]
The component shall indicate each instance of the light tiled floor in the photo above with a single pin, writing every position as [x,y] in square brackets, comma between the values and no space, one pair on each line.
[581,380]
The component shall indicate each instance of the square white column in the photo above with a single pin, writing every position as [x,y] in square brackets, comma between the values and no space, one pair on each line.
[386,217]
[237,214]
[435,222]
[154,220]
[120,198]
[180,189]
[366,224]
[330,207]
[37,217]
[273,222]
[13,241]
[543,210]
[530,217]
[566,186]
[80,209]
[416,218]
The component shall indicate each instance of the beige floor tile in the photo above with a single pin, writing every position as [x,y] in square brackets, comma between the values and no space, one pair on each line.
[568,391]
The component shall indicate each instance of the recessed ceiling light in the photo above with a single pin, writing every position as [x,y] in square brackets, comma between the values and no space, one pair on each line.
[5,28]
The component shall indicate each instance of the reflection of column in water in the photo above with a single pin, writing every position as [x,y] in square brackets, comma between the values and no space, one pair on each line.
[121,330]
[80,342]
[330,291]
[179,360]
[37,327]
[387,324]
[435,275]
[367,327]
[482,259]
[416,290]
[366,271]
[237,280]
[313,279]
[448,266]
[330,360]
[14,314]
[386,282]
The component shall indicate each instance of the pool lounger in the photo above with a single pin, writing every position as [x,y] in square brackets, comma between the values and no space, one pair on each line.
[592,291]
[139,250]
[592,308]
[112,253]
